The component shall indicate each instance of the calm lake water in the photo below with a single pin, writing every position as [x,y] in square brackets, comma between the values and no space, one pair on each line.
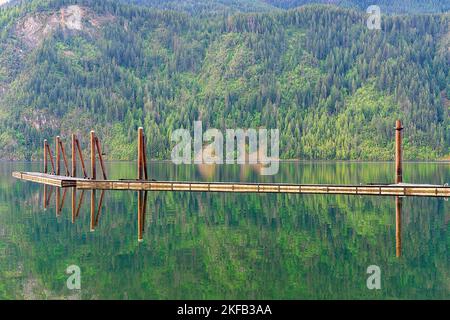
[227,246]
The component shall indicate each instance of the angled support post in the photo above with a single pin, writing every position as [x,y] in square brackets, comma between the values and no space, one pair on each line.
[45,157]
[74,156]
[144,156]
[63,152]
[100,157]
[49,152]
[95,147]
[80,154]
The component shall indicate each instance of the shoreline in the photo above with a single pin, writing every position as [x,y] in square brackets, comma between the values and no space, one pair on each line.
[281,161]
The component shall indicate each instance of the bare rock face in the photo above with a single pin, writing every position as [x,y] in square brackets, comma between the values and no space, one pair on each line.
[33,29]
[2,2]
[71,17]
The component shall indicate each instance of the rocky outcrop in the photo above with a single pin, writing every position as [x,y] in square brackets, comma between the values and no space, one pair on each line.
[33,29]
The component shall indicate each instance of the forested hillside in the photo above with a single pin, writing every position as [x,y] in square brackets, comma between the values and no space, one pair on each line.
[329,84]
[206,7]
[387,6]
[220,6]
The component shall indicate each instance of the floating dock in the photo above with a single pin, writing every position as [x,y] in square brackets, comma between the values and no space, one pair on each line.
[143,183]
[401,189]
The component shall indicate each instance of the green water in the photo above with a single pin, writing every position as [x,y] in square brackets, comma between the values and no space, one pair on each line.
[228,246]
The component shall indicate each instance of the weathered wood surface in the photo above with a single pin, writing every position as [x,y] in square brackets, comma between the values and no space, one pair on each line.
[180,186]
[47,179]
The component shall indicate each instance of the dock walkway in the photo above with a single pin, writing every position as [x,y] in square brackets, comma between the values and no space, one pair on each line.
[401,189]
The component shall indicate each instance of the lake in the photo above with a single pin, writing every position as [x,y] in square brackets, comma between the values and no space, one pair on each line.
[227,246]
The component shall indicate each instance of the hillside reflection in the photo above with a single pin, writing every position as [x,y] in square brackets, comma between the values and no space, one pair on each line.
[168,245]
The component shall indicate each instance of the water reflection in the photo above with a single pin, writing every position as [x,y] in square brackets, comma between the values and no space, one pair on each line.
[142,199]
[398,226]
[226,246]
[142,208]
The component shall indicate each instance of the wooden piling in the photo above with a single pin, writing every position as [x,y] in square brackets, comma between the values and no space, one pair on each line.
[58,156]
[398,226]
[140,152]
[398,152]
[45,157]
[93,172]
[74,156]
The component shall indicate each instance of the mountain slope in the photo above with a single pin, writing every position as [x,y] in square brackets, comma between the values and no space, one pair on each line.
[221,6]
[206,6]
[112,68]
[386,6]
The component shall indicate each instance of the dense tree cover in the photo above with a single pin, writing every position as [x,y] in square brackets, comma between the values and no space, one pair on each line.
[387,6]
[330,85]
[204,6]
[207,7]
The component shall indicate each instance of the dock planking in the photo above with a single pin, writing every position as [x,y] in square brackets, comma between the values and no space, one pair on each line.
[47,179]
[406,190]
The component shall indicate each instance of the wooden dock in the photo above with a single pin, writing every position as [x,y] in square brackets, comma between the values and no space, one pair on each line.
[47,179]
[143,183]
[401,189]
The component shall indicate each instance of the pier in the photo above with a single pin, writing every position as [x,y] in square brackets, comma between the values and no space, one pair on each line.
[64,178]
[143,183]
[401,189]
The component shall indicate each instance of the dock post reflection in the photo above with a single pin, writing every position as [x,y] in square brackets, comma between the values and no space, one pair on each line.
[80,203]
[95,214]
[92,210]
[142,208]
[45,197]
[398,226]
[57,200]
[74,203]
[48,198]
[60,201]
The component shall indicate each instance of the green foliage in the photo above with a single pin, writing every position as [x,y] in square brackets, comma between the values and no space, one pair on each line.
[228,246]
[386,6]
[331,86]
